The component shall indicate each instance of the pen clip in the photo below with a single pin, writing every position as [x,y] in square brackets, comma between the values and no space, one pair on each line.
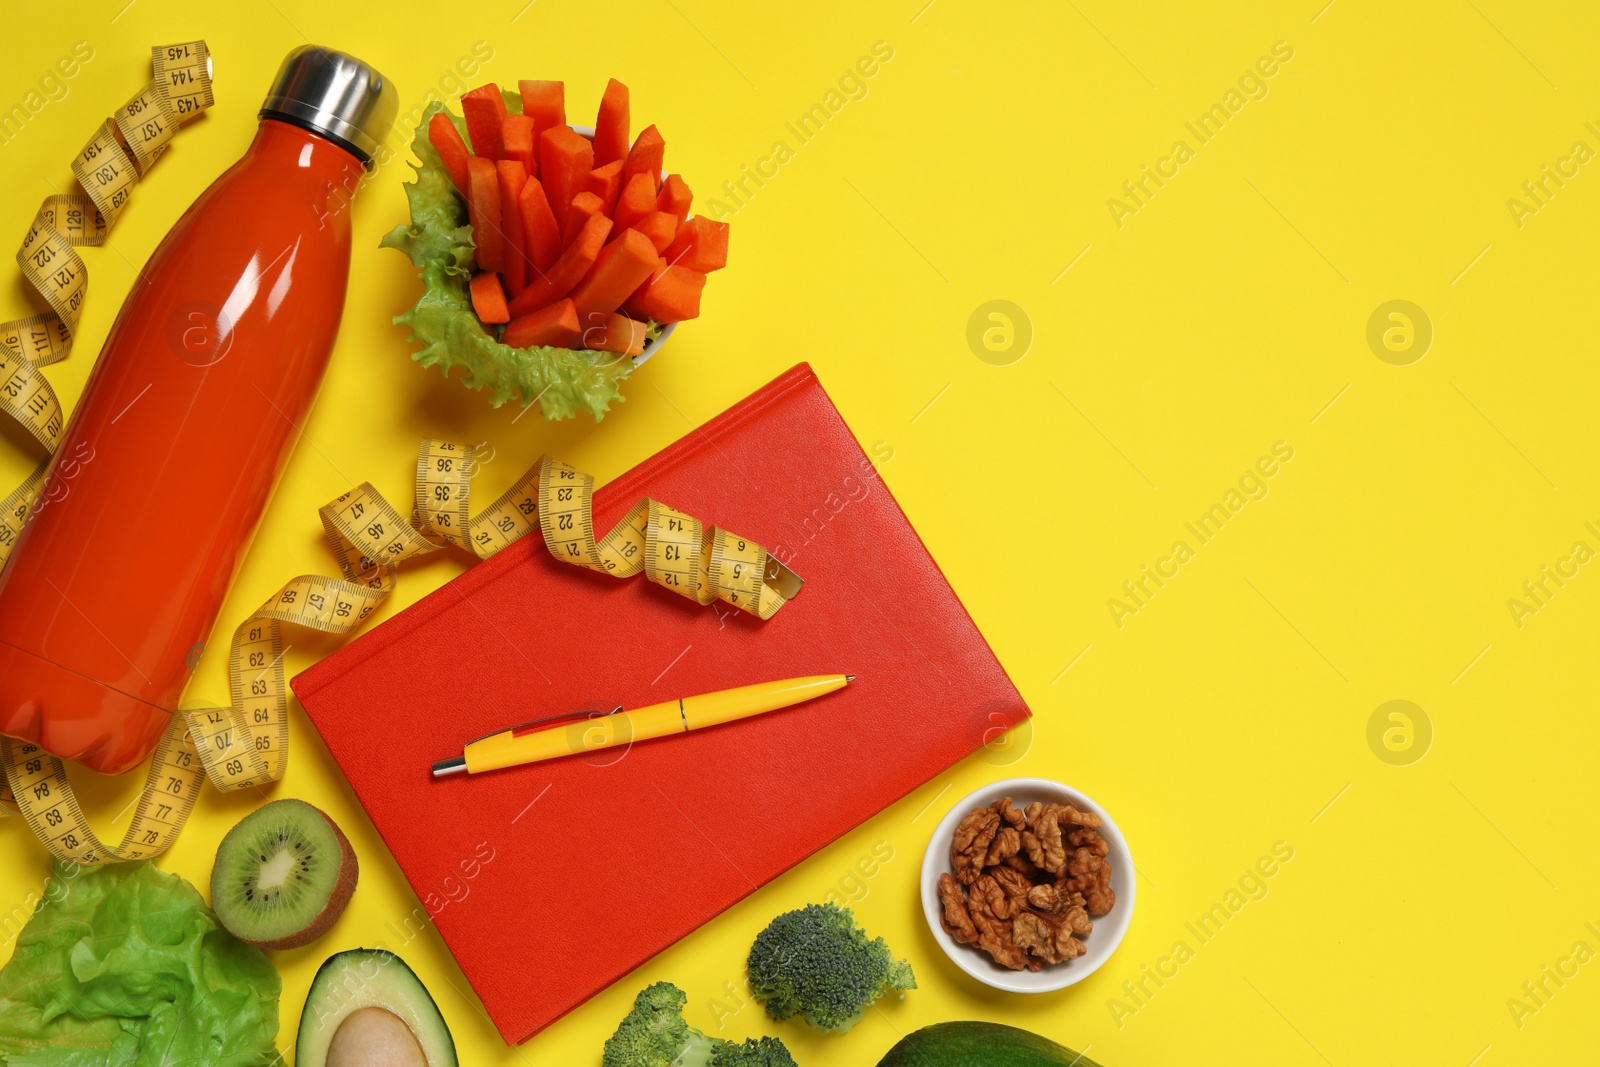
[547,722]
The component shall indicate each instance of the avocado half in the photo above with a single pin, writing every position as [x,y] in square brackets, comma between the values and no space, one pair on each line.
[979,1044]
[361,978]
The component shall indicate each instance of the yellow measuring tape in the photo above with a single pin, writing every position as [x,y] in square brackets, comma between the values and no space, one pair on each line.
[246,744]
[107,169]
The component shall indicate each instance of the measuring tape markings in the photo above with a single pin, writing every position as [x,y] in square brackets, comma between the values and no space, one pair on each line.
[48,257]
[107,173]
[246,744]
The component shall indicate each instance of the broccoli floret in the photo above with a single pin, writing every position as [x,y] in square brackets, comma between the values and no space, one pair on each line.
[768,1052]
[654,1034]
[818,964]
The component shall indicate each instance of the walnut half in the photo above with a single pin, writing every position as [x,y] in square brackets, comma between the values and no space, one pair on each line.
[970,846]
[954,917]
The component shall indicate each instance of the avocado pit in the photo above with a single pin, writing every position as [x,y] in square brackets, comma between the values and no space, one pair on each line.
[374,1037]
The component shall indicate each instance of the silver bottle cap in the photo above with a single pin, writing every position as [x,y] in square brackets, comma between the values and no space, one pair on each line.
[336,95]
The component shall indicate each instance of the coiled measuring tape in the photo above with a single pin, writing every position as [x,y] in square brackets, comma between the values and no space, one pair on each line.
[107,169]
[246,744]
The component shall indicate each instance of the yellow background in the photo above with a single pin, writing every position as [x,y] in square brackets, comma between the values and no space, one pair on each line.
[1226,315]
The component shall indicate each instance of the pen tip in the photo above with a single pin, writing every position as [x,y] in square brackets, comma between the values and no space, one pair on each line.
[454,765]
[849,677]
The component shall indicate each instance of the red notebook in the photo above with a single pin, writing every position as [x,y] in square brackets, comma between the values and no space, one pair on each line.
[666,835]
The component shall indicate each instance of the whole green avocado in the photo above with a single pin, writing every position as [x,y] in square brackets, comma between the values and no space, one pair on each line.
[978,1044]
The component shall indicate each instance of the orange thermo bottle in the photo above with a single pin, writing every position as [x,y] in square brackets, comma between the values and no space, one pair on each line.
[184,427]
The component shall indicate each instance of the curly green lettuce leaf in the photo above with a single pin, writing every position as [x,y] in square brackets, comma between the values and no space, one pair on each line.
[439,242]
[125,966]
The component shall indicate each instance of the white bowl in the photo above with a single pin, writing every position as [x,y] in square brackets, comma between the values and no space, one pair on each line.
[650,347]
[1108,929]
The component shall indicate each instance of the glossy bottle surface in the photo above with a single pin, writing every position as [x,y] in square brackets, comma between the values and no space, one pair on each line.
[172,453]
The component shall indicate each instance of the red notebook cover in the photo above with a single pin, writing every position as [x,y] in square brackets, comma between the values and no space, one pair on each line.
[670,832]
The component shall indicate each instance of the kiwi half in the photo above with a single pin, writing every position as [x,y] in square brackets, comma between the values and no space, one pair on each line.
[283,875]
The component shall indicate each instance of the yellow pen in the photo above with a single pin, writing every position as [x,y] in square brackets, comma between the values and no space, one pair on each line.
[587,731]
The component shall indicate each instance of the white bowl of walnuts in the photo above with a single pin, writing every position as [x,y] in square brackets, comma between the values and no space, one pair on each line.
[1028,885]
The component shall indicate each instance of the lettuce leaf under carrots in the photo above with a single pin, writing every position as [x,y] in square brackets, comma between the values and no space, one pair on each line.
[125,966]
[439,242]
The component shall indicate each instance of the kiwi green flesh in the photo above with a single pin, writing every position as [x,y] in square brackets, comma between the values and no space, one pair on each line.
[348,984]
[282,875]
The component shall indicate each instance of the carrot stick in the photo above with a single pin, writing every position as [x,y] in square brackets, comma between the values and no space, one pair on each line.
[546,103]
[485,110]
[672,294]
[539,230]
[645,157]
[621,267]
[446,141]
[675,197]
[516,135]
[638,199]
[565,159]
[488,299]
[701,245]
[483,209]
[555,324]
[513,176]
[619,334]
[611,125]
